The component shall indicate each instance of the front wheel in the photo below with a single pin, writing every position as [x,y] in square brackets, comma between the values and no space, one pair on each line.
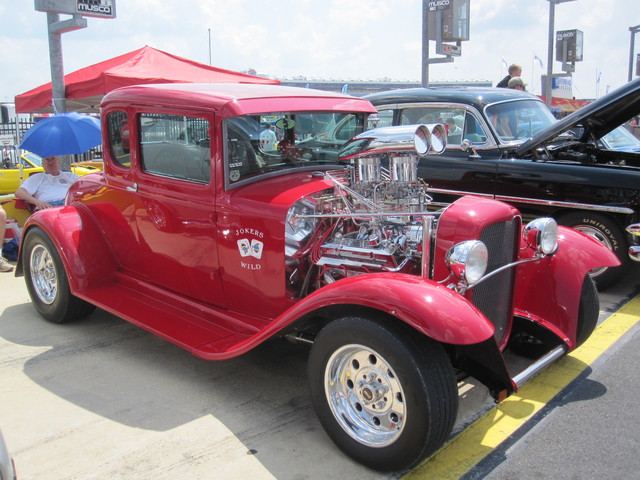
[386,396]
[605,230]
[589,311]
[47,281]
[526,345]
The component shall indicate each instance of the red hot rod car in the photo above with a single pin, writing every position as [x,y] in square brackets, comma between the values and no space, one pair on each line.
[197,234]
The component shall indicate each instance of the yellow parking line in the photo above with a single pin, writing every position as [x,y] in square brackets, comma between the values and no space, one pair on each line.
[488,432]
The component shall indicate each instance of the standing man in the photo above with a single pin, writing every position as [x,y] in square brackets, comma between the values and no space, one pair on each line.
[47,189]
[267,138]
[514,71]
[6,157]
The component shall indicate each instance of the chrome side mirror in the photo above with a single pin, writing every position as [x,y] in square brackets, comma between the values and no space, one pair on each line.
[468,147]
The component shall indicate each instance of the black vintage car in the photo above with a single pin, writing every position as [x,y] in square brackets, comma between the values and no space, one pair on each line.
[505,144]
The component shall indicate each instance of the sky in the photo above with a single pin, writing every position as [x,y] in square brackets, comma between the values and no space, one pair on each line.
[330,39]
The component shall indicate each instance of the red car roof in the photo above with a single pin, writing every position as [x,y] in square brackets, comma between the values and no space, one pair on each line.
[231,100]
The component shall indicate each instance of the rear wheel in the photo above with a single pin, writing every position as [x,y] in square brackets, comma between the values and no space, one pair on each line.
[385,396]
[605,230]
[47,281]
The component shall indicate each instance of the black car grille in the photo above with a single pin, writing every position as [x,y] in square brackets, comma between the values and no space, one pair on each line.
[494,296]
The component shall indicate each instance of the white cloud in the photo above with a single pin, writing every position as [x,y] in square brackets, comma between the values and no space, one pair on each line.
[340,39]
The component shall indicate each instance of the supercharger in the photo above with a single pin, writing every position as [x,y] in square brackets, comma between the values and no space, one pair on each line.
[374,217]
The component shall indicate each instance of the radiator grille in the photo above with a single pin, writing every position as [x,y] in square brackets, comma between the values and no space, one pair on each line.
[494,296]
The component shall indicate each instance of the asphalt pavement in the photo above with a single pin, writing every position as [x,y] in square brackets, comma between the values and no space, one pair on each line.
[102,398]
[591,431]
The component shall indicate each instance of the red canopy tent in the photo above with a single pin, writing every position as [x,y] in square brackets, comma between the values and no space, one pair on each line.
[86,87]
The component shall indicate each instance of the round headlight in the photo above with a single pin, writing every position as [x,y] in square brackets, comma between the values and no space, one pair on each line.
[468,260]
[542,234]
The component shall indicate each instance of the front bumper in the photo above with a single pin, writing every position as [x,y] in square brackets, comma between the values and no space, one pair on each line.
[634,250]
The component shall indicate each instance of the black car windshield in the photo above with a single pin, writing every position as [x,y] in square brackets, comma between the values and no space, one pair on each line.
[518,120]
[622,140]
[281,141]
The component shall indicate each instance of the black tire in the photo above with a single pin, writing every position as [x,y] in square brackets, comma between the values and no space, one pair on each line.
[527,346]
[47,280]
[607,231]
[589,311]
[373,359]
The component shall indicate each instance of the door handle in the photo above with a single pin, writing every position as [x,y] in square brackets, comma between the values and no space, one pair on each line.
[133,187]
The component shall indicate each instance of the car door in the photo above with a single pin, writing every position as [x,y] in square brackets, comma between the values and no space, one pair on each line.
[166,234]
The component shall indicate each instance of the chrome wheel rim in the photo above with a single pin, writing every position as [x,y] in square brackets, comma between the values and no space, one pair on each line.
[597,235]
[365,395]
[43,274]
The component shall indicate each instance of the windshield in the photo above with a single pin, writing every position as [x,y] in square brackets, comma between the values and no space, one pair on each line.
[519,120]
[31,157]
[622,140]
[281,141]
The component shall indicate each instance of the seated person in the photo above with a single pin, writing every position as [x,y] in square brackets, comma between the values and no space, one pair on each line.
[47,189]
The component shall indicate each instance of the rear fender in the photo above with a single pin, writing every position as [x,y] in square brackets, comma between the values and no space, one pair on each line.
[429,307]
[548,291]
[87,259]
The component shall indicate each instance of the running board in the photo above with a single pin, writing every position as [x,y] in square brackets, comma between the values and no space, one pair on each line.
[539,365]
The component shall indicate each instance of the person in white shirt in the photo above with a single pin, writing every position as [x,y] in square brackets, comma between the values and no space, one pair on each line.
[267,138]
[47,189]
[453,128]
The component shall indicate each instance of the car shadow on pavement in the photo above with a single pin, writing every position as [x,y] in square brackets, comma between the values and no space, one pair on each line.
[118,371]
[114,369]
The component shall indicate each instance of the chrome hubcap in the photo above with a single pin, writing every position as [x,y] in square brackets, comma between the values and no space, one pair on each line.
[43,274]
[365,396]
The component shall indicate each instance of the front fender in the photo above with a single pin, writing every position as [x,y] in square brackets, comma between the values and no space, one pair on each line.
[429,307]
[548,291]
[87,259]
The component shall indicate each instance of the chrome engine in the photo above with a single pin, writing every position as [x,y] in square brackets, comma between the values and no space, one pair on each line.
[373,219]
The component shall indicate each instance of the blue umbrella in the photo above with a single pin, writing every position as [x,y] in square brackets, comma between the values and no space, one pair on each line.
[62,134]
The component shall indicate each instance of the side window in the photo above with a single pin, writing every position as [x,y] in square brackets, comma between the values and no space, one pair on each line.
[452,118]
[118,127]
[175,146]
[383,119]
[473,131]
[413,116]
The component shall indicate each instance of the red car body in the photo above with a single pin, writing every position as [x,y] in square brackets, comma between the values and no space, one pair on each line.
[223,260]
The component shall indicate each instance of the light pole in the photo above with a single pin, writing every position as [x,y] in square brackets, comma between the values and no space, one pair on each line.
[548,80]
[425,43]
[56,28]
[633,31]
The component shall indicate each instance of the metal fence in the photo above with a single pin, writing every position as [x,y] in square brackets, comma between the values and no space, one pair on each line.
[11,135]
